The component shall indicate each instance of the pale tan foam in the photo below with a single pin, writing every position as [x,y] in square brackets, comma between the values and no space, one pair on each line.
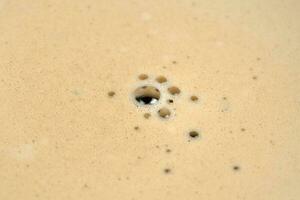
[71,127]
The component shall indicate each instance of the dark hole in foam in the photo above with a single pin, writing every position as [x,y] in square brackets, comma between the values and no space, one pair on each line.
[193,134]
[144,99]
[170,101]
[147,95]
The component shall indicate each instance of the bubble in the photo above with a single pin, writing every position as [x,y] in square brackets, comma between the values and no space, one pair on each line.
[161,79]
[143,76]
[164,112]
[194,98]
[194,134]
[111,93]
[147,95]
[174,90]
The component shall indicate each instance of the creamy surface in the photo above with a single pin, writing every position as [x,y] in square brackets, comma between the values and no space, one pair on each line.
[63,136]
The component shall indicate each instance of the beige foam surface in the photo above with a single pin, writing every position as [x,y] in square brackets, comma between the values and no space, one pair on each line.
[63,137]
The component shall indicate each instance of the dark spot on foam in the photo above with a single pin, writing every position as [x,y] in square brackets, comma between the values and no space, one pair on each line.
[143,76]
[243,129]
[174,62]
[236,168]
[147,115]
[167,170]
[254,77]
[168,150]
[193,134]
[161,79]
[194,98]
[136,128]
[164,112]
[170,101]
[174,90]
[111,93]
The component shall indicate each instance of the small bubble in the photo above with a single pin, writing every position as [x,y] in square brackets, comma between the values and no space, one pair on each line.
[111,93]
[194,98]
[174,90]
[193,134]
[254,77]
[147,115]
[170,101]
[168,150]
[243,129]
[167,170]
[136,128]
[236,168]
[161,79]
[143,76]
[174,62]
[164,112]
